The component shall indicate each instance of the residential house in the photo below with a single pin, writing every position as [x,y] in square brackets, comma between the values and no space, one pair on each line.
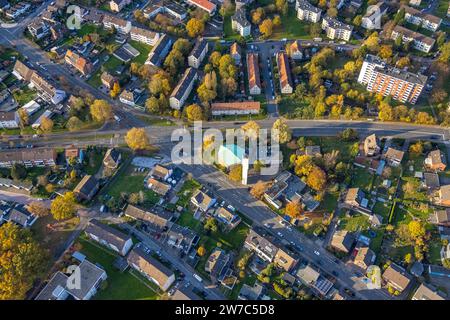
[393,157]
[431,180]
[112,158]
[9,120]
[371,146]
[144,36]
[307,12]
[354,197]
[83,65]
[158,187]
[202,200]
[422,19]
[229,219]
[21,216]
[156,220]
[441,217]
[48,114]
[159,51]
[444,196]
[253,293]
[240,24]
[58,287]
[35,157]
[295,50]
[284,70]
[418,40]
[285,259]
[342,240]
[236,53]
[12,185]
[151,268]
[336,29]
[183,89]
[415,2]
[257,242]
[427,292]
[310,277]
[120,25]
[254,82]
[217,262]
[372,19]
[165,7]
[364,258]
[118,5]
[204,4]
[184,294]
[198,53]
[109,237]
[436,161]
[286,187]
[182,238]
[396,277]
[130,97]
[235,108]
[87,188]
[38,29]
[108,80]
[161,173]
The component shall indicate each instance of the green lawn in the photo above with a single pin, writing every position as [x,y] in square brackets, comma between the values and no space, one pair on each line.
[111,65]
[128,181]
[24,95]
[329,202]
[94,159]
[291,27]
[157,122]
[144,50]
[120,286]
[88,29]
[383,209]
[230,34]
[186,192]
[362,179]
[441,10]
[356,222]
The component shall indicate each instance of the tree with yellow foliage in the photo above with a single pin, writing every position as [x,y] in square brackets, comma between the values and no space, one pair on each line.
[46,125]
[294,209]
[22,261]
[194,112]
[251,128]
[115,90]
[195,27]
[266,28]
[64,207]
[137,139]
[101,110]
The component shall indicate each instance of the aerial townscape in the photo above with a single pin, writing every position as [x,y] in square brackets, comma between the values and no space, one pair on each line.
[354,95]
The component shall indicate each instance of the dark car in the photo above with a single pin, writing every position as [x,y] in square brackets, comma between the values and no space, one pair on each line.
[335,273]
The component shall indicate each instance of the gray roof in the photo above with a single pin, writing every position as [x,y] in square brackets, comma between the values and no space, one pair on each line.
[156,56]
[336,24]
[414,35]
[199,46]
[107,233]
[240,17]
[184,83]
[306,6]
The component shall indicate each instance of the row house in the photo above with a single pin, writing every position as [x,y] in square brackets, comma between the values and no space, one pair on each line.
[35,157]
[183,89]
[159,51]
[235,108]
[254,81]
[284,70]
[198,53]
[9,120]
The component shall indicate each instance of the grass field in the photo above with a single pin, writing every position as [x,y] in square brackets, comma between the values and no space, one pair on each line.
[291,27]
[24,95]
[362,179]
[111,65]
[355,222]
[120,286]
[230,34]
[144,50]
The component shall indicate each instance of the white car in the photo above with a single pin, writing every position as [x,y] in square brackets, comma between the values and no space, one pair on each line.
[280,234]
[317,253]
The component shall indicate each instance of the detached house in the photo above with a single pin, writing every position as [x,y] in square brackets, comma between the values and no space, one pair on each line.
[371,146]
[161,173]
[202,200]
[38,29]
[108,80]
[396,277]
[112,159]
[342,241]
[393,157]
[441,217]
[364,258]
[254,82]
[436,161]
[109,237]
[427,292]
[286,85]
[354,197]
[295,50]
[87,188]
[198,53]
[78,62]
[444,196]
[151,268]
[118,5]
